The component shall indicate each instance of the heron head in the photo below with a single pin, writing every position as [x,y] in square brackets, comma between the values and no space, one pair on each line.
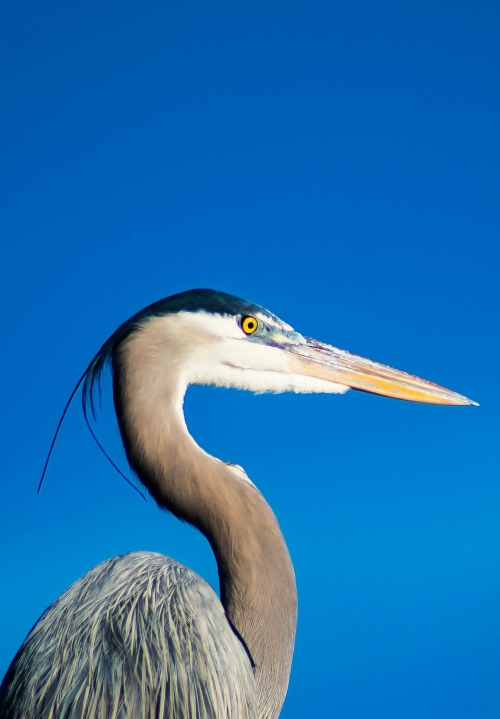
[213,338]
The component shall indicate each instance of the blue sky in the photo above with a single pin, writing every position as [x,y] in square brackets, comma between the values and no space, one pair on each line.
[338,163]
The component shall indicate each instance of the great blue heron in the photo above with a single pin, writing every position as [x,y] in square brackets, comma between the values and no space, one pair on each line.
[141,635]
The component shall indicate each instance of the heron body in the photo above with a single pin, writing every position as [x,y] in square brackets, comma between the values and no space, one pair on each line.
[141,635]
[138,636]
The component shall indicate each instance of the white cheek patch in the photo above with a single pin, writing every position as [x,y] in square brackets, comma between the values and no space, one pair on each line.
[202,325]
[213,350]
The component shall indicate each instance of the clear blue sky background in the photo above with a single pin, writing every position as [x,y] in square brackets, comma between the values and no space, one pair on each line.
[338,163]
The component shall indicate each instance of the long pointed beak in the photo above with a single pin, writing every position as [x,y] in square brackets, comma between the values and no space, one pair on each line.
[322,361]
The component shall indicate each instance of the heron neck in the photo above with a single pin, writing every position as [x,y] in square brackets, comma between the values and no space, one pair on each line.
[257,583]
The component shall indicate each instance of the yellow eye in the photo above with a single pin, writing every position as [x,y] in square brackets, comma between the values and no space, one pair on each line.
[249,324]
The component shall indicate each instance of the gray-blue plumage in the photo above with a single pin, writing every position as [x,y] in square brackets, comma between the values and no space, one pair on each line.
[138,636]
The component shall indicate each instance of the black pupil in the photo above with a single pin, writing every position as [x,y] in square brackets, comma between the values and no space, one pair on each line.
[250,325]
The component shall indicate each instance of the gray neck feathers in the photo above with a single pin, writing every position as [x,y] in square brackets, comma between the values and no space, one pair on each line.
[257,582]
